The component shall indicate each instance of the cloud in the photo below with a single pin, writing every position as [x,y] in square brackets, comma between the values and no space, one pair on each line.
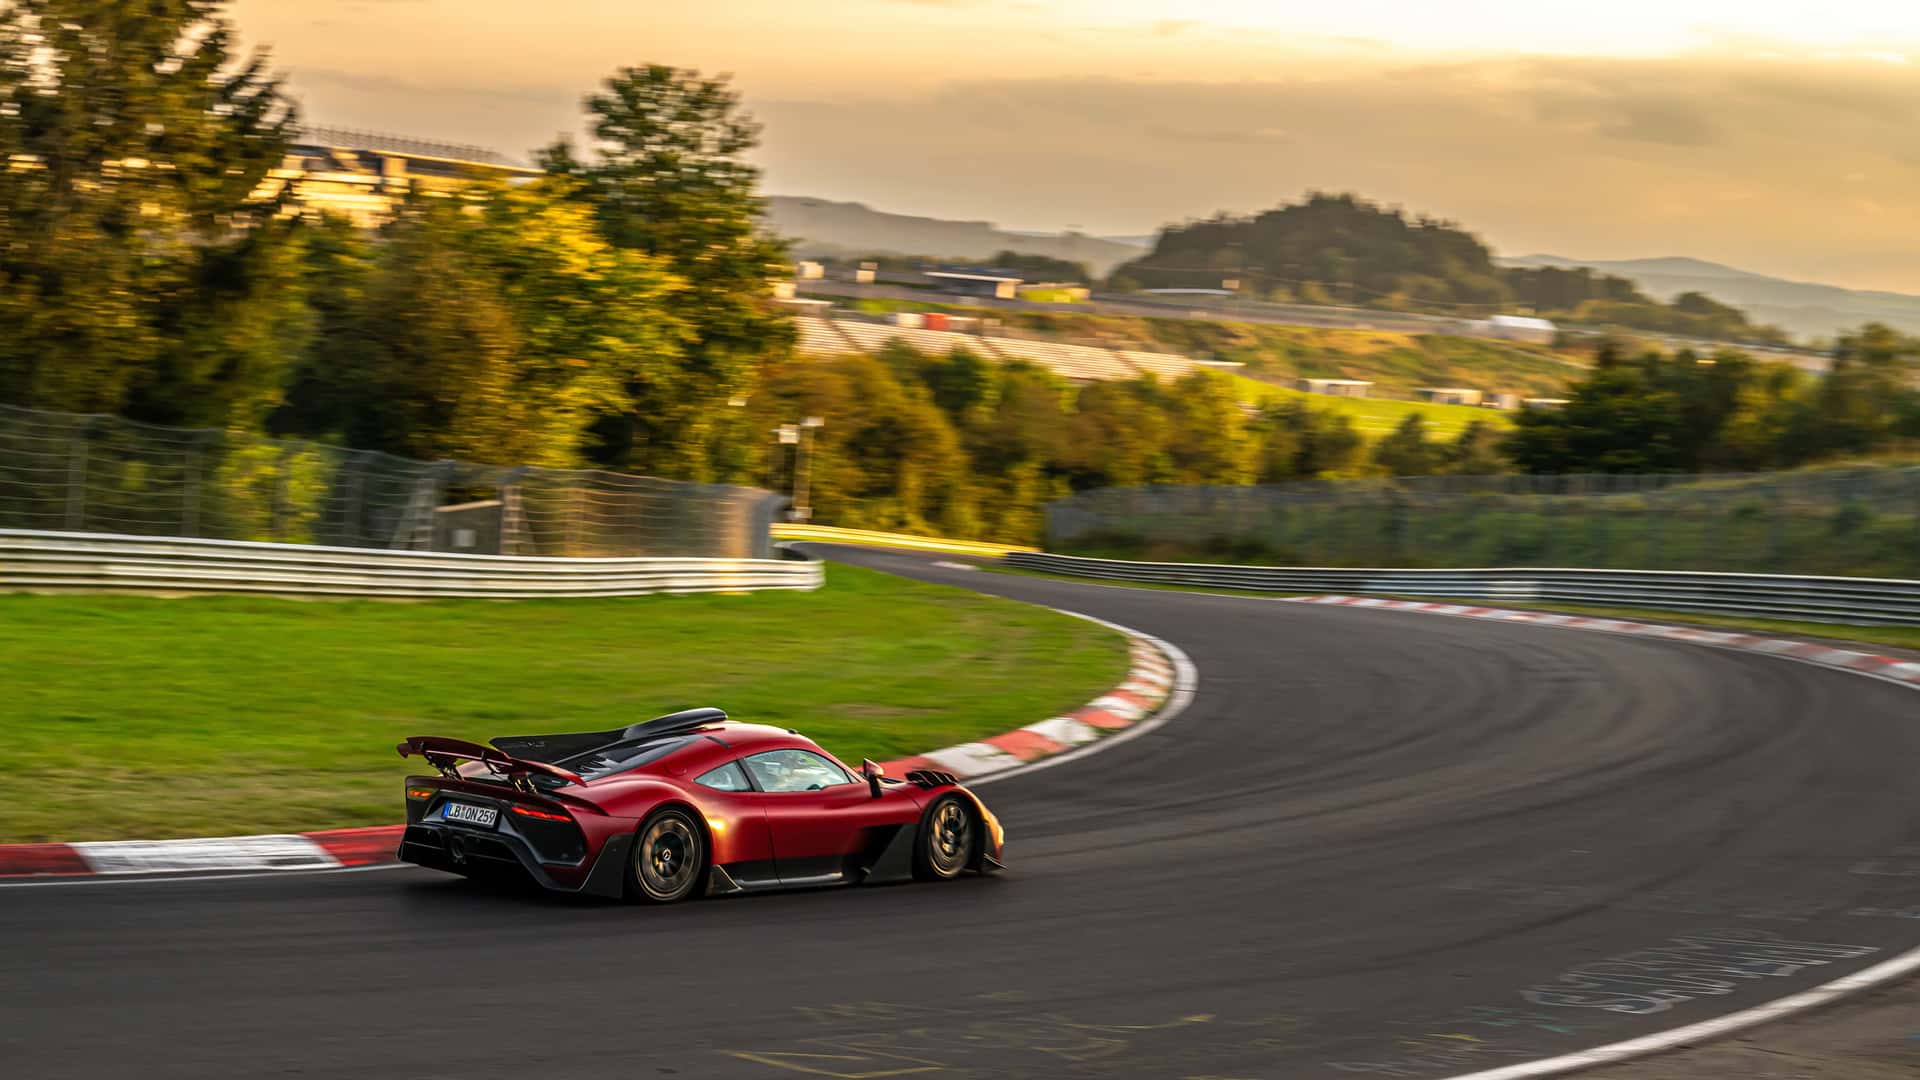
[1745,161]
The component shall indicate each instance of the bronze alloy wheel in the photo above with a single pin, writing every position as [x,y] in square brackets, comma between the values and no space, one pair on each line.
[949,838]
[667,860]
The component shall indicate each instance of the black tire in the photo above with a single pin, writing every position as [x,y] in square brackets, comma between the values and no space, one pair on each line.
[949,840]
[669,860]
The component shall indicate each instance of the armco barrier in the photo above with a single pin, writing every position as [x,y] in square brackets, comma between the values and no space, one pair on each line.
[54,561]
[828,534]
[1776,596]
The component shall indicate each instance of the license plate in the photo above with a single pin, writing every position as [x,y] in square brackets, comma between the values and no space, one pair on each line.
[461,814]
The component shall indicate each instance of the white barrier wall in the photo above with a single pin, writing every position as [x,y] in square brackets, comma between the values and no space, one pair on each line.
[54,561]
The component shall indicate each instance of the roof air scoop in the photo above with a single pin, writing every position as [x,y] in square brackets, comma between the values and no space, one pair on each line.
[685,720]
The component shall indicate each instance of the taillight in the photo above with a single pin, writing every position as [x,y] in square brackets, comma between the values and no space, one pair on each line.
[419,793]
[541,815]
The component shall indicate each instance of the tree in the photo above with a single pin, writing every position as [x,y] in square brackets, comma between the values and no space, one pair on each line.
[1206,437]
[1406,451]
[494,331]
[667,177]
[1475,451]
[1296,441]
[138,272]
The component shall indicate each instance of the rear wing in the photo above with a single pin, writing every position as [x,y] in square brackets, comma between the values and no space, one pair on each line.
[447,754]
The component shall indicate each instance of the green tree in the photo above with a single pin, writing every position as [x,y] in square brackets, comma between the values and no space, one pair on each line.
[1407,451]
[1206,439]
[667,177]
[138,272]
[493,331]
[1475,451]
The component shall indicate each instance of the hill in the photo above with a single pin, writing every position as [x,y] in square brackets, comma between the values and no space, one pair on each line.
[822,227]
[1803,308]
[1344,249]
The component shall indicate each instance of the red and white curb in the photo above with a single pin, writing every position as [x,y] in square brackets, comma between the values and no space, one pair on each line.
[1159,677]
[1890,668]
[331,849]
[1158,685]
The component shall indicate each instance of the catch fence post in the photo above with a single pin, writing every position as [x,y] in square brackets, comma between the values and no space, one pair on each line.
[77,479]
[190,501]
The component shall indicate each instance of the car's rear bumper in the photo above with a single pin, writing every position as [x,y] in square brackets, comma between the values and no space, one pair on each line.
[482,853]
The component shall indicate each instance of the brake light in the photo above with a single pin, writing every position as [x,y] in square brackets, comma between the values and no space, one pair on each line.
[542,815]
[419,793]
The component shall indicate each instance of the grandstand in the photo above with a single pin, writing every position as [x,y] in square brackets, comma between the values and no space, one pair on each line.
[818,335]
[1166,365]
[870,337]
[1081,363]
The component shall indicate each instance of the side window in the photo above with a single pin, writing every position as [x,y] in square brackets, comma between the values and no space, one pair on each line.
[727,777]
[795,770]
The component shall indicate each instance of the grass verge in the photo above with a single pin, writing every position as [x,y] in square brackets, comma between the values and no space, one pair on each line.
[136,717]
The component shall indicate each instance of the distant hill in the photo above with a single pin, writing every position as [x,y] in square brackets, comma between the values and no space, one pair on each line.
[1801,308]
[821,227]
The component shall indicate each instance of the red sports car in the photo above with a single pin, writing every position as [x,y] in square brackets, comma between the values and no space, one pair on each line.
[686,804]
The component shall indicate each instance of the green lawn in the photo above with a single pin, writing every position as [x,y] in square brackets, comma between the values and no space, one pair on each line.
[136,717]
[1375,417]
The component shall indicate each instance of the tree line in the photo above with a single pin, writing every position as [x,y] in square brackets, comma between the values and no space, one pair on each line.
[152,267]
[615,312]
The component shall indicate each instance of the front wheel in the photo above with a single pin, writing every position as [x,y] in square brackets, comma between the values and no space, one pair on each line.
[667,859]
[948,836]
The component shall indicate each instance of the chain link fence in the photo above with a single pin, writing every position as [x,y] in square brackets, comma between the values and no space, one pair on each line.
[102,474]
[1851,522]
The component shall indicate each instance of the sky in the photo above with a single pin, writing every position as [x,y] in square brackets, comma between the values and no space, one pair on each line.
[1774,135]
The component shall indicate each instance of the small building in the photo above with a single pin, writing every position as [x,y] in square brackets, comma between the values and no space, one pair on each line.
[1521,328]
[1337,387]
[1450,395]
[783,290]
[809,270]
[1502,400]
[1543,403]
[865,273]
[912,320]
[997,286]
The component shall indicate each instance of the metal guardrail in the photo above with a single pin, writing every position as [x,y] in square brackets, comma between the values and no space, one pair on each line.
[827,534]
[35,561]
[1773,596]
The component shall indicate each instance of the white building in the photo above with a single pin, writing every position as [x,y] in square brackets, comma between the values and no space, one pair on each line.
[1518,328]
[1450,395]
[1336,387]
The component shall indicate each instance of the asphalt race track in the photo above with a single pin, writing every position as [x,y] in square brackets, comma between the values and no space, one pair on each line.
[1377,844]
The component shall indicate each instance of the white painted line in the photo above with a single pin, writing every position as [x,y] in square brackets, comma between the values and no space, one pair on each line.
[1908,963]
[1719,1027]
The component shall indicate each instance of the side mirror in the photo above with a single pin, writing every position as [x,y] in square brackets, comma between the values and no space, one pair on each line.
[871,769]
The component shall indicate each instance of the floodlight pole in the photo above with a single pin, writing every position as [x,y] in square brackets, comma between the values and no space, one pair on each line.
[803,468]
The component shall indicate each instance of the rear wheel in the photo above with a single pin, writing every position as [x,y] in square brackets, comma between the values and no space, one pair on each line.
[948,837]
[668,858]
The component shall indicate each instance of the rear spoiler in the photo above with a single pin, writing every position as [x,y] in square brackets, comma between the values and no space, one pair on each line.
[446,755]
